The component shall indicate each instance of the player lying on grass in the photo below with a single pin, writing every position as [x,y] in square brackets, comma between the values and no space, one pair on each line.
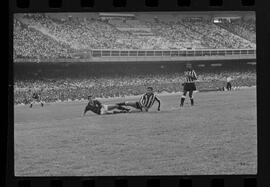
[101,109]
[146,101]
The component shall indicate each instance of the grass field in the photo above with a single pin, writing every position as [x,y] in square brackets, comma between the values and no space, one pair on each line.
[216,136]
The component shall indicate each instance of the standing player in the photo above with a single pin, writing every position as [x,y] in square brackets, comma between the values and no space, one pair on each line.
[101,109]
[189,84]
[36,98]
[146,101]
[229,84]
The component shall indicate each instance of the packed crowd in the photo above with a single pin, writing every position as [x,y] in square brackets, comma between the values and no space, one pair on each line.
[217,37]
[41,36]
[28,42]
[71,89]
[132,23]
[245,29]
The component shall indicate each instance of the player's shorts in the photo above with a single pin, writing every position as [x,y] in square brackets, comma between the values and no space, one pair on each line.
[189,87]
[229,85]
[36,100]
[104,109]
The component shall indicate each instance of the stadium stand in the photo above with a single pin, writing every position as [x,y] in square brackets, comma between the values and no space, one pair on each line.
[28,42]
[42,36]
[245,29]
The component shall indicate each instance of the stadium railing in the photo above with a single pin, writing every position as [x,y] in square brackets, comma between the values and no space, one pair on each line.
[154,53]
[171,55]
[115,55]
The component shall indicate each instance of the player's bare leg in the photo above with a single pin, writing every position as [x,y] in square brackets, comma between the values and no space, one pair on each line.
[36,102]
[119,107]
[41,103]
[183,97]
[132,104]
[32,103]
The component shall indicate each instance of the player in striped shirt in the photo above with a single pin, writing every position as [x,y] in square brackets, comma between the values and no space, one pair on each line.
[146,101]
[189,84]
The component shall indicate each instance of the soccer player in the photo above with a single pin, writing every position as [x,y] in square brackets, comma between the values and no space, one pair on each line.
[189,84]
[229,85]
[101,109]
[146,101]
[36,98]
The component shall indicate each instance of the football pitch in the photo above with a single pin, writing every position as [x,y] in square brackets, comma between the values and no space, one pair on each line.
[216,136]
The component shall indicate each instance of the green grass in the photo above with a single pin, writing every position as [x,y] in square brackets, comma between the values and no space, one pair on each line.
[216,136]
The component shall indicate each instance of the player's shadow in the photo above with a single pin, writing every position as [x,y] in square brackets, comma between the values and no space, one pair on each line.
[151,112]
[142,112]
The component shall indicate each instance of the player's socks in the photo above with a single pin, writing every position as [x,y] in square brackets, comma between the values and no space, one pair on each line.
[120,104]
[119,112]
[85,110]
[182,101]
[192,102]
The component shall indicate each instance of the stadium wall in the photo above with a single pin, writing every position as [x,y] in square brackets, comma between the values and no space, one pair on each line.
[76,70]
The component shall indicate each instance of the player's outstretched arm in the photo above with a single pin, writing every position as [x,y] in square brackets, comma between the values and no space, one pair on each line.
[195,75]
[159,103]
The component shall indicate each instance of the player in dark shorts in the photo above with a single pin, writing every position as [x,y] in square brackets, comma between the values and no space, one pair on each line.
[146,101]
[98,108]
[189,84]
[36,98]
[229,84]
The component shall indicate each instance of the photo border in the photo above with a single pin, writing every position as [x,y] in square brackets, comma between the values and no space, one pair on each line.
[262,46]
